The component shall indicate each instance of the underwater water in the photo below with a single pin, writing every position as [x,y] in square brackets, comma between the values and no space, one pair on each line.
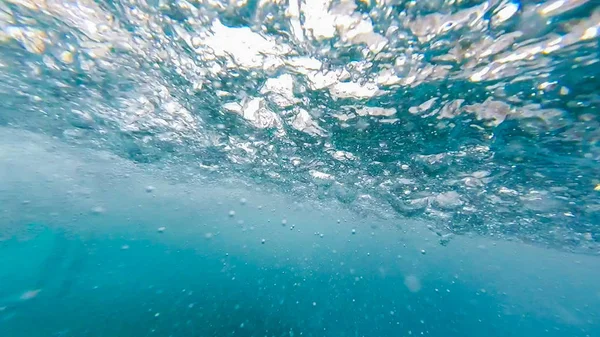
[299,168]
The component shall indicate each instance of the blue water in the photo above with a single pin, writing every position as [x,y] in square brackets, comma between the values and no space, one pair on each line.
[116,272]
[299,168]
[94,289]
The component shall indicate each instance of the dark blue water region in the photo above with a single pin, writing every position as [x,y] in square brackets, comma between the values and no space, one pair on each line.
[57,283]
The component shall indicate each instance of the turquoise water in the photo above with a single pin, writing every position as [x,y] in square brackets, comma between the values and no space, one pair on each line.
[90,250]
[299,168]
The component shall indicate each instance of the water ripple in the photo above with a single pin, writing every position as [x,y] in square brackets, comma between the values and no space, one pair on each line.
[478,115]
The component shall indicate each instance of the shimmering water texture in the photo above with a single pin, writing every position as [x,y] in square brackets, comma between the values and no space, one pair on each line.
[299,168]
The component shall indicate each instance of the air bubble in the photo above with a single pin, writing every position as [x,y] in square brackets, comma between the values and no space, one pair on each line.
[231,213]
[353,231]
[263,241]
[243,201]
[196,42]
[30,294]
[98,210]
[412,283]
[67,57]
[149,189]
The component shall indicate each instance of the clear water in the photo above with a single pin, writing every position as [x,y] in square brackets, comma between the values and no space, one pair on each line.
[299,168]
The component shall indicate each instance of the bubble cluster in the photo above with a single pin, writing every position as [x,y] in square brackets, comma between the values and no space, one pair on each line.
[477,116]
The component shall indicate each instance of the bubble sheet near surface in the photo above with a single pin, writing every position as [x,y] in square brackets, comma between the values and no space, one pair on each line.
[393,108]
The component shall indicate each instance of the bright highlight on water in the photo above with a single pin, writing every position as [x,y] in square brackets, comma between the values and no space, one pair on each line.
[299,168]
